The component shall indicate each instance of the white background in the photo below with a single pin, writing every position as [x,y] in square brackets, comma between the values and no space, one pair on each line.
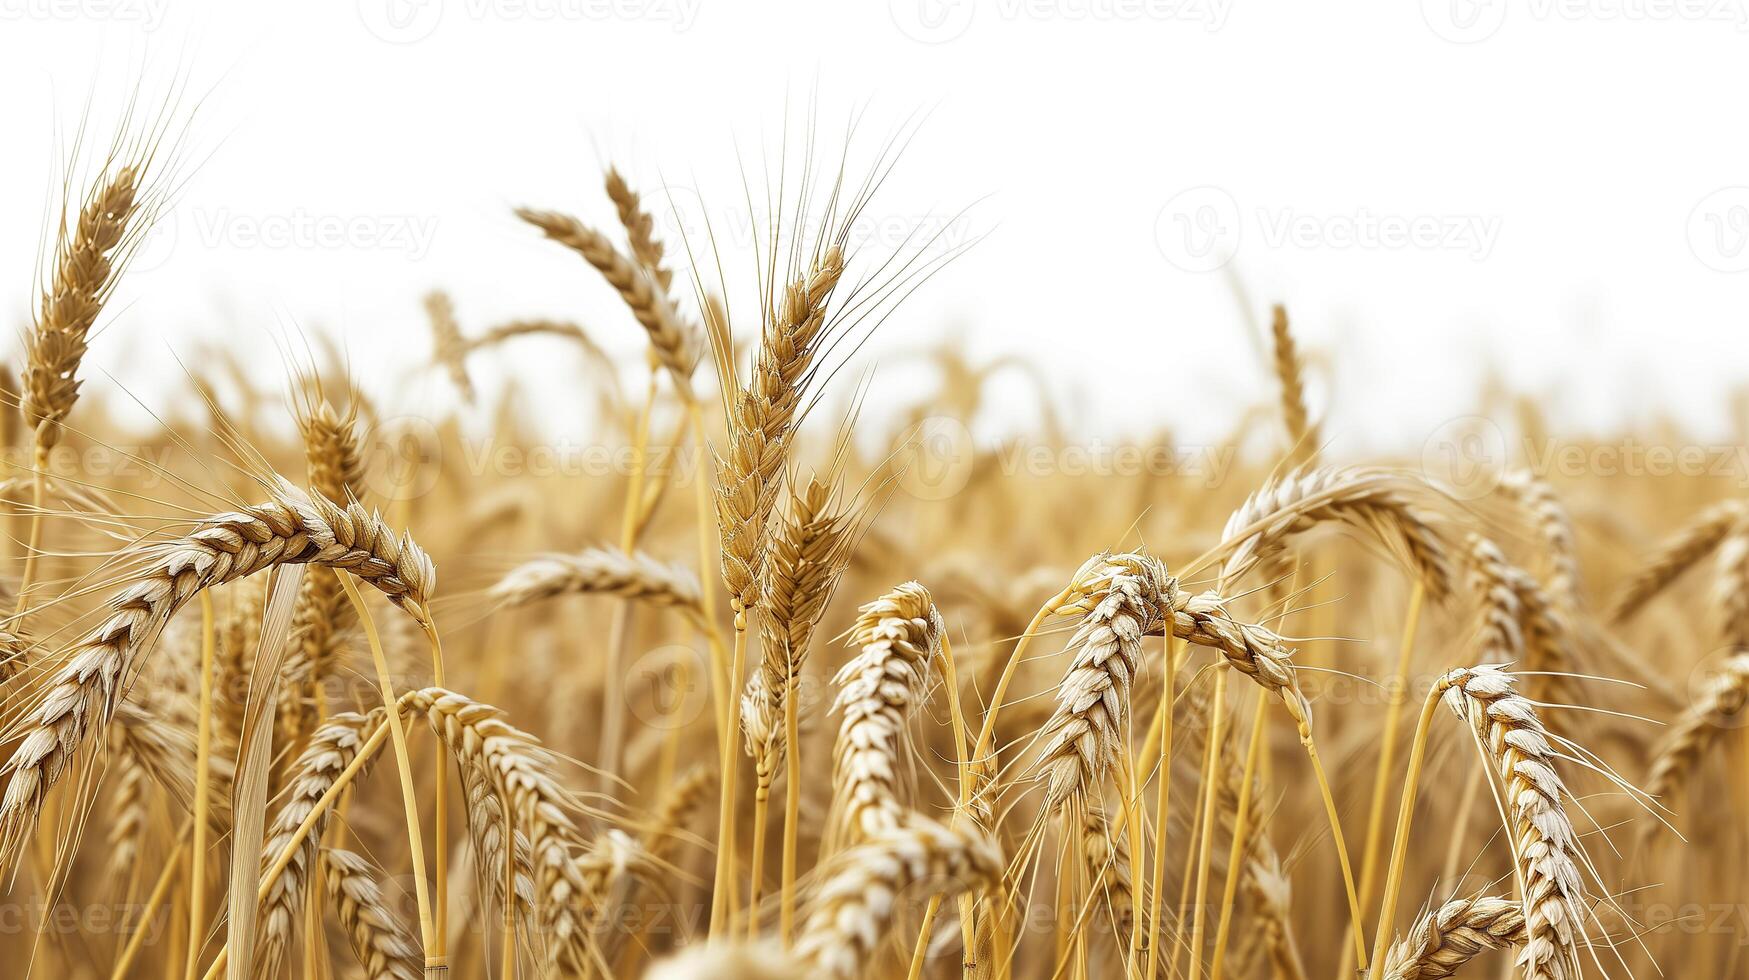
[1576,151]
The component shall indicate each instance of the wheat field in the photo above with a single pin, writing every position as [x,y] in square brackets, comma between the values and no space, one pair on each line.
[807,682]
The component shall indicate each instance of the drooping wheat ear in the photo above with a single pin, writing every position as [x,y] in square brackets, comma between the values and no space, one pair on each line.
[89,257]
[1546,851]
[611,870]
[448,347]
[896,638]
[805,556]
[1446,938]
[640,229]
[762,418]
[678,805]
[675,342]
[1090,725]
[331,748]
[383,945]
[601,571]
[1500,634]
[517,767]
[1290,372]
[1255,651]
[860,894]
[486,829]
[14,654]
[293,528]
[1687,548]
[1269,887]
[1701,725]
[1554,528]
[1380,504]
[1107,854]
[1730,595]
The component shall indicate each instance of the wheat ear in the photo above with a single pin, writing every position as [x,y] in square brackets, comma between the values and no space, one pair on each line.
[449,348]
[601,571]
[1546,850]
[675,342]
[292,528]
[1446,938]
[1087,732]
[1681,552]
[331,749]
[1380,504]
[1555,529]
[1290,373]
[384,947]
[856,903]
[1700,725]
[897,638]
